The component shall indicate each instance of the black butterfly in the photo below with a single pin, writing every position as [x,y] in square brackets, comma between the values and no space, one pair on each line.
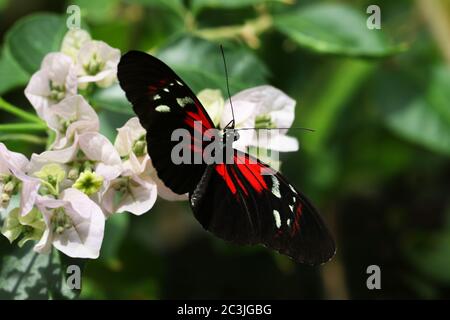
[234,201]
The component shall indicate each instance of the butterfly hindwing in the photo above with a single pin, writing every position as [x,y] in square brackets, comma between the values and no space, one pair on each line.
[164,103]
[251,203]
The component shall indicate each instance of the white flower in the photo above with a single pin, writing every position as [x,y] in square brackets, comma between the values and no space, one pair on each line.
[213,101]
[12,172]
[134,191]
[73,41]
[74,225]
[53,82]
[97,62]
[90,163]
[262,107]
[132,146]
[72,115]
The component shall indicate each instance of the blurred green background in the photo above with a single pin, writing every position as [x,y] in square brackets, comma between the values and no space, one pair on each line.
[377,165]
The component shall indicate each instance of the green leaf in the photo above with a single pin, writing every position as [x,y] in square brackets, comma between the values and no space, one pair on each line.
[32,37]
[112,99]
[99,11]
[115,231]
[418,111]
[334,29]
[25,274]
[428,252]
[201,68]
[199,63]
[11,73]
[176,6]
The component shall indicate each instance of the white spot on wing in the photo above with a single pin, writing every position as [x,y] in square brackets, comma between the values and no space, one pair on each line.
[184,101]
[292,188]
[292,208]
[166,90]
[276,215]
[288,222]
[156,97]
[276,187]
[162,108]
[179,82]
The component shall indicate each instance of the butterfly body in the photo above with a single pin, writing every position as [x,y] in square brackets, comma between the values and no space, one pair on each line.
[239,199]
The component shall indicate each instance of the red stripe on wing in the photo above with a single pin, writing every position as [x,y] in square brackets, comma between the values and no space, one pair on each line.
[251,172]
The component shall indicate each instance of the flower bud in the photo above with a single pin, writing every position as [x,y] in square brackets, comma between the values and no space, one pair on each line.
[74,172]
[9,187]
[4,198]
[140,148]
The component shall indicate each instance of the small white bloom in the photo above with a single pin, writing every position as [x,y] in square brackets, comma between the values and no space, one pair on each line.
[74,225]
[262,107]
[134,191]
[131,140]
[134,194]
[97,62]
[90,163]
[73,41]
[12,171]
[55,80]
[72,115]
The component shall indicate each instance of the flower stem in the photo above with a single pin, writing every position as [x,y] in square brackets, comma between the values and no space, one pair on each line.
[249,31]
[8,107]
[23,137]
[15,127]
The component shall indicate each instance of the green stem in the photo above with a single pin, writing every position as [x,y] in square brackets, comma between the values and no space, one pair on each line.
[8,107]
[23,137]
[249,31]
[15,127]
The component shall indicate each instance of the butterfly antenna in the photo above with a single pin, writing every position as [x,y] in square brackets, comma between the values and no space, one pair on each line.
[295,128]
[228,86]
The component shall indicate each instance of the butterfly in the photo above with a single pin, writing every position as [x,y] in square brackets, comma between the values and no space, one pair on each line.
[238,200]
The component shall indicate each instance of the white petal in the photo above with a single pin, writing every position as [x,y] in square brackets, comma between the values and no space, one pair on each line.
[38,92]
[56,68]
[11,159]
[98,148]
[107,55]
[85,238]
[76,110]
[141,199]
[53,156]
[73,40]
[244,112]
[277,142]
[130,132]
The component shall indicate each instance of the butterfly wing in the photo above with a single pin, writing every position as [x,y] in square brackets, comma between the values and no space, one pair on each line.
[238,203]
[163,102]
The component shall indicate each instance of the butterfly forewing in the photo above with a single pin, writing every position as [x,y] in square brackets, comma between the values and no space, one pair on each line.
[164,103]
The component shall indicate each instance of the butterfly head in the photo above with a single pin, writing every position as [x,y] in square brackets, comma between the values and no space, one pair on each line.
[230,135]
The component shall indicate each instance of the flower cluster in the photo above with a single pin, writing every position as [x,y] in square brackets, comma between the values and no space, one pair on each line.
[66,193]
